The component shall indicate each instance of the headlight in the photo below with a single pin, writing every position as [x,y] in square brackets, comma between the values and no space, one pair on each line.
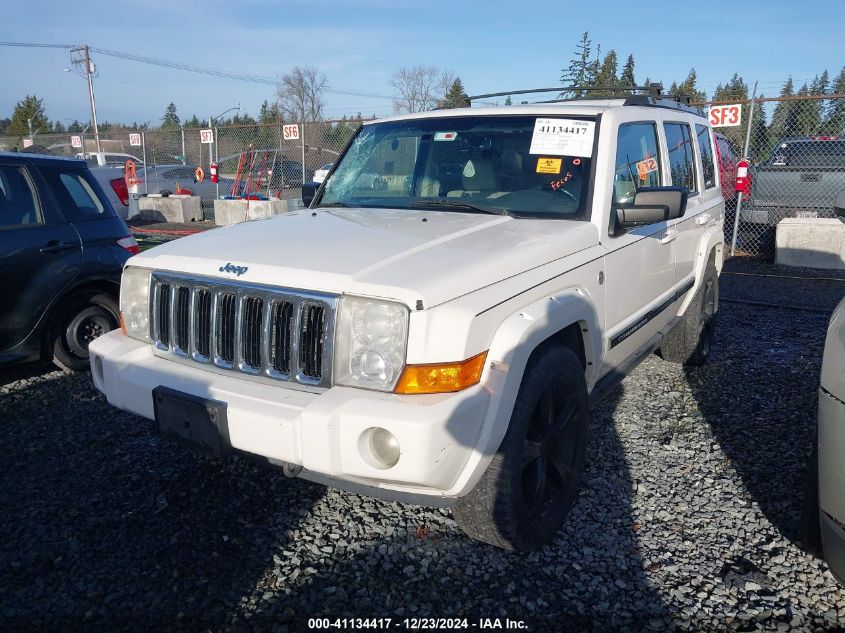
[135,302]
[370,343]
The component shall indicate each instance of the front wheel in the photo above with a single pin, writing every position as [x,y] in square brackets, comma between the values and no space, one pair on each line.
[531,483]
[84,317]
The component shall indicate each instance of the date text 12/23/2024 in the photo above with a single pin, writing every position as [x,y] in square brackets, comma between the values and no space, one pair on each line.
[416,624]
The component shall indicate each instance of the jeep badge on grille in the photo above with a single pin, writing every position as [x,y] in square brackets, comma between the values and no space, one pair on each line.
[231,268]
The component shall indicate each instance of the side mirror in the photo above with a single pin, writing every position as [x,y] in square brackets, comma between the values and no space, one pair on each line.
[652,205]
[309,190]
[839,205]
[673,197]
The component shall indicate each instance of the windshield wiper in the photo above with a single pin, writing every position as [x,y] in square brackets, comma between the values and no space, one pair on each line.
[329,205]
[454,205]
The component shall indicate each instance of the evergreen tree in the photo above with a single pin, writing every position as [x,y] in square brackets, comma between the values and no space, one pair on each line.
[760,142]
[578,73]
[30,110]
[170,120]
[627,77]
[688,87]
[834,116]
[783,118]
[508,101]
[734,90]
[58,127]
[607,76]
[455,97]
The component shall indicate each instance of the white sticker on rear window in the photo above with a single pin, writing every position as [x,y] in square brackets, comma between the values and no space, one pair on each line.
[563,137]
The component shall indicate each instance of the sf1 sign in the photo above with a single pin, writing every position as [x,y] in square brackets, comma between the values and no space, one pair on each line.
[291,132]
[725,115]
[135,140]
[76,141]
[206,136]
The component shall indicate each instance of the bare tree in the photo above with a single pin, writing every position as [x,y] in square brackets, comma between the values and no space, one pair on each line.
[301,94]
[420,88]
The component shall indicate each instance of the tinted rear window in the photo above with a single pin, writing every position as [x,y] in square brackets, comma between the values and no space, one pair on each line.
[77,193]
[810,154]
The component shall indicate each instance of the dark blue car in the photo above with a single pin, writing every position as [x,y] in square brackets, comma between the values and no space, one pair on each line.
[62,249]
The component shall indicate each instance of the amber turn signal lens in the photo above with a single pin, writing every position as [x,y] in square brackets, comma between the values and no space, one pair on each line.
[441,377]
[122,324]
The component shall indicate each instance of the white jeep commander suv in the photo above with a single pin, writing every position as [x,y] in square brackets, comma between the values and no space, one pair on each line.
[436,325]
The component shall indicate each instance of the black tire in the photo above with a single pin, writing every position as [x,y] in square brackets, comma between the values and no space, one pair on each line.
[810,530]
[532,481]
[80,319]
[691,341]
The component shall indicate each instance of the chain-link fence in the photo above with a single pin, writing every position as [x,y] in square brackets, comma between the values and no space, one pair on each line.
[259,160]
[795,147]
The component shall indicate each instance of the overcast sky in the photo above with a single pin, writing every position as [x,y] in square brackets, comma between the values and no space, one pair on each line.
[492,45]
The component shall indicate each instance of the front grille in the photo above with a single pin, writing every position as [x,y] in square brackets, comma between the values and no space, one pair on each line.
[271,333]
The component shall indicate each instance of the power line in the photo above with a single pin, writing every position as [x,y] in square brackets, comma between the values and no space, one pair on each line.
[271,81]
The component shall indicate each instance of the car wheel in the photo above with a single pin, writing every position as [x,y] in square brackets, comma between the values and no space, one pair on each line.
[83,317]
[532,481]
[691,341]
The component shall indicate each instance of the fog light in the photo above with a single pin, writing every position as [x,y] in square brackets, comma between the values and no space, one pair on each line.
[384,446]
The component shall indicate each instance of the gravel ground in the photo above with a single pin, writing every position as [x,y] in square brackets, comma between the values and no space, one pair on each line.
[686,521]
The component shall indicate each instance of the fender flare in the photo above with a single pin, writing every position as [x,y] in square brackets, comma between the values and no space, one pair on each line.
[512,345]
[713,241]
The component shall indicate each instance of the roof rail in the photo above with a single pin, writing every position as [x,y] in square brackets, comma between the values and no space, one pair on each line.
[653,90]
[673,102]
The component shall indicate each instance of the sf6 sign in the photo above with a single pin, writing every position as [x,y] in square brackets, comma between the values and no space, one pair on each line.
[725,115]
[291,132]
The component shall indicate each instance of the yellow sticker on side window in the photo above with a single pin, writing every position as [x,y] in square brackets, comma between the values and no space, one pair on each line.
[548,165]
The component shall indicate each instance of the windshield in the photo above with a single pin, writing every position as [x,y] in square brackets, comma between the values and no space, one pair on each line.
[525,166]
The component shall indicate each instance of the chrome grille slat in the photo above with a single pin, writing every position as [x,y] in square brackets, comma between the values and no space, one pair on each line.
[273,334]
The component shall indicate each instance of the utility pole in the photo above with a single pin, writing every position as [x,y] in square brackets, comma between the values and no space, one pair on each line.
[84,59]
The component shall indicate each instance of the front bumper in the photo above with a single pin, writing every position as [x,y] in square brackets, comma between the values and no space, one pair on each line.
[832,481]
[437,434]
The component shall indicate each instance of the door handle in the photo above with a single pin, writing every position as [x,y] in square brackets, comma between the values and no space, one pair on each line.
[668,236]
[55,246]
[704,218]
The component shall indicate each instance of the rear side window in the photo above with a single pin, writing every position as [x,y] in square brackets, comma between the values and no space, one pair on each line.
[76,193]
[681,155]
[18,204]
[637,161]
[708,168]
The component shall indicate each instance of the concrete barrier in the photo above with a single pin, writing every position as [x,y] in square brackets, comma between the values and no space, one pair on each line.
[174,208]
[811,243]
[228,212]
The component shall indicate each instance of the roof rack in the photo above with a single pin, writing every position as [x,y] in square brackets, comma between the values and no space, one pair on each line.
[654,97]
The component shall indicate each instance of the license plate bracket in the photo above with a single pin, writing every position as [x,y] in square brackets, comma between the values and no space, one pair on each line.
[200,423]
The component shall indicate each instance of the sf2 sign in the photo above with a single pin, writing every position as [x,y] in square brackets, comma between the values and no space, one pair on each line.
[725,115]
[291,132]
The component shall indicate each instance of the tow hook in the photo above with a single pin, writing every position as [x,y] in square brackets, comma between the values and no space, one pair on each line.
[291,470]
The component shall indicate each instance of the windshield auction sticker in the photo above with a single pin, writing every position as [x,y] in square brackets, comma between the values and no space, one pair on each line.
[563,137]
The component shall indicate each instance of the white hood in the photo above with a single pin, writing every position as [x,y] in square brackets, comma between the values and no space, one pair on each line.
[408,256]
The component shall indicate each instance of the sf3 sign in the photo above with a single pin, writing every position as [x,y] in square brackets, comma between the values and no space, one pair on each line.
[291,132]
[725,115]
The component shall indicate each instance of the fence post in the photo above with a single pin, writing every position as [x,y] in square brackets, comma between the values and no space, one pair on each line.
[744,155]
[303,150]
[184,158]
[144,157]
[216,159]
